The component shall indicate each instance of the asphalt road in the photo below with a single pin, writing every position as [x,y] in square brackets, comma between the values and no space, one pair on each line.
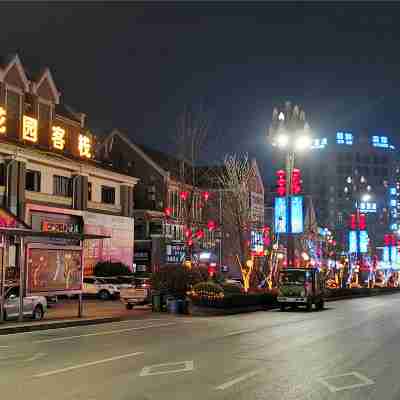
[348,351]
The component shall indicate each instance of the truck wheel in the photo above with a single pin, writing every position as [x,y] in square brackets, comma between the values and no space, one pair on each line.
[129,306]
[38,313]
[104,295]
[320,305]
[282,307]
[309,306]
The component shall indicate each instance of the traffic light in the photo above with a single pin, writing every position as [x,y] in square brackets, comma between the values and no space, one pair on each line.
[296,181]
[281,182]
[362,222]
[353,224]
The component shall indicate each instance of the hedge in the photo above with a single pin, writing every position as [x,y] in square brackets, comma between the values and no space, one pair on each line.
[236,300]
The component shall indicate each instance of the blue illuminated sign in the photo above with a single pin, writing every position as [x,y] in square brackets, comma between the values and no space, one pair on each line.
[393,250]
[393,191]
[364,242]
[257,242]
[296,214]
[344,138]
[394,227]
[352,242]
[385,254]
[280,215]
[319,143]
[367,207]
[393,203]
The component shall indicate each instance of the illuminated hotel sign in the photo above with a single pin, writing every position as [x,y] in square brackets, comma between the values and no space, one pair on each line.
[30,129]
[3,115]
[319,143]
[58,135]
[63,227]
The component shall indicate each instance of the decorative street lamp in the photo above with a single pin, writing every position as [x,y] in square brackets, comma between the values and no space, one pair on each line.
[289,131]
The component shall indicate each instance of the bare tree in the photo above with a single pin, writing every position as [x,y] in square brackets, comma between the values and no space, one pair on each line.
[234,181]
[192,130]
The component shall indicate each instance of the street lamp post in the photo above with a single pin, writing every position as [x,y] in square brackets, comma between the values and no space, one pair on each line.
[290,131]
[358,191]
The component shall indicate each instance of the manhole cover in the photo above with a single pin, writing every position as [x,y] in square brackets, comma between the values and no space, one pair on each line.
[351,380]
[167,368]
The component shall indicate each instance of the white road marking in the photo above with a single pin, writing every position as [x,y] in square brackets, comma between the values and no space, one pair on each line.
[239,332]
[36,357]
[61,339]
[228,384]
[364,381]
[45,331]
[89,364]
[152,369]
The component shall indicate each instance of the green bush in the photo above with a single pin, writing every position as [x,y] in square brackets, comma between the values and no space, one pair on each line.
[207,289]
[108,268]
[176,280]
[231,288]
[266,299]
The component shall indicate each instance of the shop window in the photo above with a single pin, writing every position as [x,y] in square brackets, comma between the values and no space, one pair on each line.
[62,186]
[108,195]
[89,191]
[32,181]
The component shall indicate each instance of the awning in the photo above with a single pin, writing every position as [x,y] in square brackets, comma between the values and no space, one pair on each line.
[53,235]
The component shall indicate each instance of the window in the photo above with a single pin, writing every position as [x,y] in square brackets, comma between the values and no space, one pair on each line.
[32,181]
[13,113]
[62,186]
[89,190]
[107,195]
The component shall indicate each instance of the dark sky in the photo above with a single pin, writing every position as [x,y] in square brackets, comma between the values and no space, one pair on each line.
[134,66]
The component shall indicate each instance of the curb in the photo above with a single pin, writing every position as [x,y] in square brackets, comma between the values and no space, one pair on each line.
[7,330]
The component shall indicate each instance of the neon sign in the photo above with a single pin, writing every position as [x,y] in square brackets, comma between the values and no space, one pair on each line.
[344,138]
[3,114]
[30,129]
[85,146]
[319,143]
[58,137]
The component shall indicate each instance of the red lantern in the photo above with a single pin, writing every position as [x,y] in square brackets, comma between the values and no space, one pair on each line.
[296,181]
[199,234]
[188,233]
[184,195]
[353,224]
[211,225]
[190,242]
[362,223]
[281,182]
[168,211]
[206,196]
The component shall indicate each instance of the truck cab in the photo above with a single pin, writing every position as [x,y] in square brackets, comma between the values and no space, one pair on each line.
[301,287]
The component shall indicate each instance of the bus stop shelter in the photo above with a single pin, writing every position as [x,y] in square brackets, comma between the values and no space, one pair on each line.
[49,263]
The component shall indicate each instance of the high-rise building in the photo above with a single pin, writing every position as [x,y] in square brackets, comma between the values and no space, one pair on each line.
[335,164]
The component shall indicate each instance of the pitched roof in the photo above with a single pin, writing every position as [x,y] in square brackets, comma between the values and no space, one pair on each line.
[67,112]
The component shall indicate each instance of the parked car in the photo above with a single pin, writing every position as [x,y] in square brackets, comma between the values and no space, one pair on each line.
[102,288]
[126,282]
[138,294]
[34,306]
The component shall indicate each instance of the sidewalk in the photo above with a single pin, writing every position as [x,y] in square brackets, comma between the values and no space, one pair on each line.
[65,313]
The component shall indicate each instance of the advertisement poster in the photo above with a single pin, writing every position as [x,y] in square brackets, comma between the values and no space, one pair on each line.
[53,269]
[280,215]
[117,248]
[296,214]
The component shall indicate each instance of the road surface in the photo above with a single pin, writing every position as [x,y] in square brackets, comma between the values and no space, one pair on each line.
[348,351]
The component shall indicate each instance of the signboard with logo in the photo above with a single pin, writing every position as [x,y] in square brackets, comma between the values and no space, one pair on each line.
[175,253]
[56,270]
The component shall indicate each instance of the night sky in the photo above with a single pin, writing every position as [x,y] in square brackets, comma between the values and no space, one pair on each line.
[134,66]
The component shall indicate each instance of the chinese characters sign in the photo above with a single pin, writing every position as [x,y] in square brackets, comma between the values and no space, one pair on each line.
[3,115]
[57,139]
[30,129]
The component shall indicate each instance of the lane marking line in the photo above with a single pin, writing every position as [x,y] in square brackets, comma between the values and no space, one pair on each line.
[239,379]
[61,339]
[364,381]
[187,366]
[36,357]
[88,364]
[239,332]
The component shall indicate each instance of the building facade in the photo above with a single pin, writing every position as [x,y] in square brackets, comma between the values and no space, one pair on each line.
[49,177]
[326,170]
